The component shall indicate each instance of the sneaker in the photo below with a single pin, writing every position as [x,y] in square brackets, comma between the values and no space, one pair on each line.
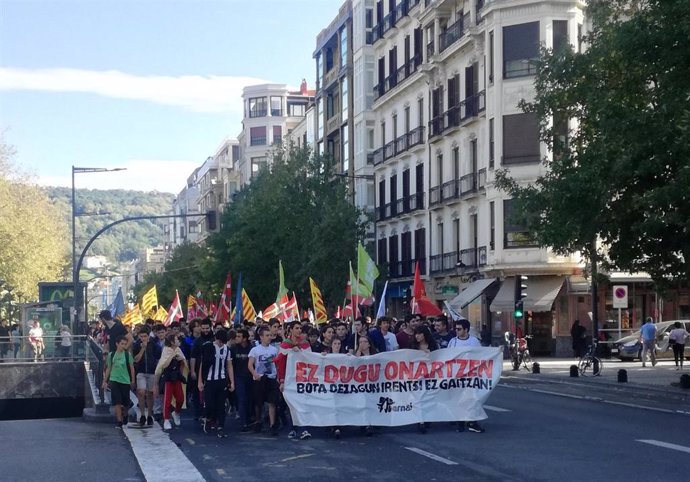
[305,435]
[149,421]
[166,425]
[221,433]
[336,433]
[292,434]
[176,418]
[653,363]
[475,427]
[125,421]
[142,420]
[274,430]
[205,426]
[644,365]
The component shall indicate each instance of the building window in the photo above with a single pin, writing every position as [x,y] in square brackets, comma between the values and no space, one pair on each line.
[319,118]
[296,110]
[257,107]
[521,139]
[382,252]
[277,134]
[257,136]
[276,106]
[319,72]
[235,154]
[514,234]
[383,133]
[344,91]
[560,35]
[492,225]
[520,50]
[491,144]
[439,238]
[420,112]
[258,163]
[370,139]
[345,140]
[407,120]
[420,249]
[491,57]
[343,47]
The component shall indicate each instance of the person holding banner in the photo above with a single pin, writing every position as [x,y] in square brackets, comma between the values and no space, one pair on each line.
[463,338]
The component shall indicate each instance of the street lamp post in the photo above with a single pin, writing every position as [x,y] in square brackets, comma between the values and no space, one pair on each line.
[76,298]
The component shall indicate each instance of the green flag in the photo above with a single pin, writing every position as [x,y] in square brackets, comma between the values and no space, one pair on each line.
[366,269]
[355,287]
[282,290]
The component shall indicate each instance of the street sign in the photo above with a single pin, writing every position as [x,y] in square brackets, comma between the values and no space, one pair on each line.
[620,296]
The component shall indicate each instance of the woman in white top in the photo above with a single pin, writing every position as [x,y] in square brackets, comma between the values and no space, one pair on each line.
[678,335]
[65,343]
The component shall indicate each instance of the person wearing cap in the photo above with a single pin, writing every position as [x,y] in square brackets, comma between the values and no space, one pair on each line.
[463,338]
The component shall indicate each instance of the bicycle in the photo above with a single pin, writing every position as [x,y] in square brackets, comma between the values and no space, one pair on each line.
[590,364]
[520,354]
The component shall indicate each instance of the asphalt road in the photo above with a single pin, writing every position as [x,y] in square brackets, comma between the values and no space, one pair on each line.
[530,436]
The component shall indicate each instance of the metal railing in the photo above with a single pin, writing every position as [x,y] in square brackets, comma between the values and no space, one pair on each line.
[403,205]
[452,34]
[48,348]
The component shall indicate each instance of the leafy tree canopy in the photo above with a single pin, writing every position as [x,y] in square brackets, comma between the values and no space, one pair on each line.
[295,211]
[616,190]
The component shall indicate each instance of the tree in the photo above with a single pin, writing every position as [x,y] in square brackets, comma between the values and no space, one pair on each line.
[616,185]
[34,240]
[295,211]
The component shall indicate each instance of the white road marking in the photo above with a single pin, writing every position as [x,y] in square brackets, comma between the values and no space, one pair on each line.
[297,457]
[190,441]
[644,407]
[220,471]
[160,458]
[496,409]
[431,456]
[666,445]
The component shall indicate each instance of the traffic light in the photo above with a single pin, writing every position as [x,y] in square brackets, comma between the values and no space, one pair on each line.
[520,294]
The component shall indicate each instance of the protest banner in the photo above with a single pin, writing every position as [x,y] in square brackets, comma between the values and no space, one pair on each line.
[393,388]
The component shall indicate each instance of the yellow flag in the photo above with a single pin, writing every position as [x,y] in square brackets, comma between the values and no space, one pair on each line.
[317,300]
[161,314]
[248,311]
[132,317]
[149,301]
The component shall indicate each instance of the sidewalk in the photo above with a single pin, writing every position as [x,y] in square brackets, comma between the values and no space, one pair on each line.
[662,378]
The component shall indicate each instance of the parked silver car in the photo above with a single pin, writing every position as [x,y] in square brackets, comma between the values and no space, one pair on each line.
[630,348]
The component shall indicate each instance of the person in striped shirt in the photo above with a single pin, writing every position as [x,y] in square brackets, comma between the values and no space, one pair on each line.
[215,377]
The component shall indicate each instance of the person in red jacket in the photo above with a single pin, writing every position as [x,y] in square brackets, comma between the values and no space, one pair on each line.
[295,341]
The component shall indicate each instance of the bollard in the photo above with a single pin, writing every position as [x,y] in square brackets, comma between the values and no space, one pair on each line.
[685,381]
[536,368]
[622,376]
[573,371]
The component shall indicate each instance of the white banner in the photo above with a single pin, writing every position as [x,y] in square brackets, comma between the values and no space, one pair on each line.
[393,388]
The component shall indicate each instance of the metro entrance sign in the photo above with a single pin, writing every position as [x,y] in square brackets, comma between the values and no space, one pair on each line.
[620,296]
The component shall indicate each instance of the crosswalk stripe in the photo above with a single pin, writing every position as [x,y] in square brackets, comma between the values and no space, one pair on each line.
[666,445]
[431,456]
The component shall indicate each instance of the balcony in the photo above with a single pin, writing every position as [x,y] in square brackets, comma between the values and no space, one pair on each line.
[397,77]
[333,123]
[404,205]
[389,150]
[405,268]
[436,126]
[330,76]
[390,21]
[466,110]
[468,184]
[378,156]
[415,137]
[443,263]
[401,144]
[370,159]
[480,5]
[453,33]
[430,51]
[465,261]
[445,192]
[481,179]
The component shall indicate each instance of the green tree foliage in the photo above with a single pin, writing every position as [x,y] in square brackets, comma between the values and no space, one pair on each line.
[295,211]
[185,271]
[617,189]
[125,241]
[32,247]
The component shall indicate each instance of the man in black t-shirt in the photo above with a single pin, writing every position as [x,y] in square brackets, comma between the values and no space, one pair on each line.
[243,379]
[195,360]
[114,329]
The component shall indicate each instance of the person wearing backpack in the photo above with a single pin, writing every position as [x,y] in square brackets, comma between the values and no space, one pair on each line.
[170,367]
[119,376]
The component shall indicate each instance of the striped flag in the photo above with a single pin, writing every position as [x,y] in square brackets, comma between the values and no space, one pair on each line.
[149,301]
[317,301]
[191,307]
[225,305]
[161,314]
[248,311]
[271,312]
[132,317]
[175,311]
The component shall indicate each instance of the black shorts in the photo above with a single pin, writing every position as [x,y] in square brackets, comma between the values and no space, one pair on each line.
[266,390]
[119,393]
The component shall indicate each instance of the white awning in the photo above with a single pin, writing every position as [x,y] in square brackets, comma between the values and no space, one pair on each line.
[541,293]
[472,292]
[504,300]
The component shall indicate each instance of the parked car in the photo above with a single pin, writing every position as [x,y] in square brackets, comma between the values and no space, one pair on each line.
[630,348]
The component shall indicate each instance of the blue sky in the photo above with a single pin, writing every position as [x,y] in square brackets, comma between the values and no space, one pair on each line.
[153,86]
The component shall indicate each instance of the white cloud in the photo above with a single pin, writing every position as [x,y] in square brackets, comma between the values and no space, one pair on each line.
[141,175]
[192,92]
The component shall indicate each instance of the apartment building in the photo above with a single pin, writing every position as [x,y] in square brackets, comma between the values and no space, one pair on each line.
[449,76]
[181,230]
[271,111]
[344,119]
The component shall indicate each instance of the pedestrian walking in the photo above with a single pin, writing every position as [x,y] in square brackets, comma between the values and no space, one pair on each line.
[147,353]
[36,340]
[119,377]
[462,339]
[215,378]
[243,379]
[648,340]
[64,344]
[677,339]
[578,334]
[170,369]
[263,369]
[4,339]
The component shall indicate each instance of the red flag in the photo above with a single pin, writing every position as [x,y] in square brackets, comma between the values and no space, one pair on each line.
[420,303]
[175,311]
[225,304]
[271,312]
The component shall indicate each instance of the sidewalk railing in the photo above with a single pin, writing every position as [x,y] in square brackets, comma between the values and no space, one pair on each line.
[49,348]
